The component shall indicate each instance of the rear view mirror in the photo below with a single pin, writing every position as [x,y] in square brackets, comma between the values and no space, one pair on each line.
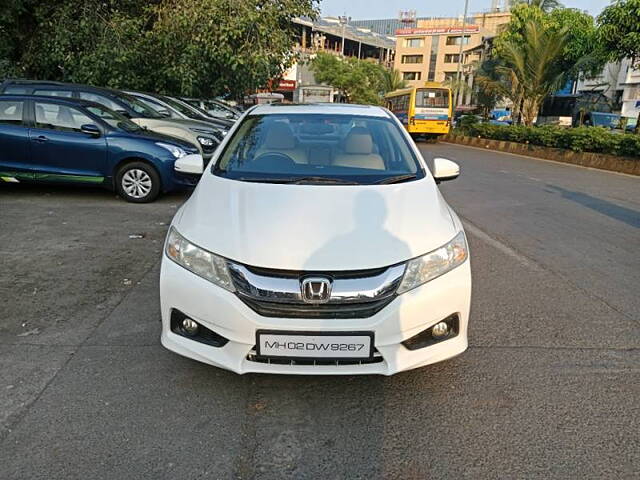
[90,129]
[192,164]
[444,170]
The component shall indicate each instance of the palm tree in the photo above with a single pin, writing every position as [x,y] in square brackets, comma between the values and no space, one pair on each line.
[544,5]
[393,81]
[533,67]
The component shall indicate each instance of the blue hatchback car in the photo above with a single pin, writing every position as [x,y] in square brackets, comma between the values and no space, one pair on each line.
[48,139]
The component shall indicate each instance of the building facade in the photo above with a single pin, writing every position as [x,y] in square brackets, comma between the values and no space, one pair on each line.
[431,50]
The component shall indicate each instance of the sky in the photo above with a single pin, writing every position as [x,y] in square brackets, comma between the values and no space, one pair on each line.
[372,9]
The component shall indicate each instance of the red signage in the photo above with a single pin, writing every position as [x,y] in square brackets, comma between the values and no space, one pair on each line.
[438,30]
[285,85]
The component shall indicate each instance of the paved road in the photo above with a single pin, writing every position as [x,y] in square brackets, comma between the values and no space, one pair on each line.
[549,387]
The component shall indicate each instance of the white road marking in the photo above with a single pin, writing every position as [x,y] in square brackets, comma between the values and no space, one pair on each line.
[507,250]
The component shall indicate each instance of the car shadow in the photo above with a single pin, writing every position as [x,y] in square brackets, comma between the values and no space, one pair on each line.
[611,210]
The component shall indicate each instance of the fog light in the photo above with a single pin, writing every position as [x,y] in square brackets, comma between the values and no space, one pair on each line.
[189,326]
[440,330]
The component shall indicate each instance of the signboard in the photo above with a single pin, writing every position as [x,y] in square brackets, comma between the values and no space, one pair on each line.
[438,30]
[283,85]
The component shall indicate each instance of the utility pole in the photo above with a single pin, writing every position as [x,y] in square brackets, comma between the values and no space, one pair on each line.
[343,21]
[462,37]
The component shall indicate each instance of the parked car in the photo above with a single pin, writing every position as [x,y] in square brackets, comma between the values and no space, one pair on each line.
[215,108]
[64,140]
[174,108]
[331,249]
[126,105]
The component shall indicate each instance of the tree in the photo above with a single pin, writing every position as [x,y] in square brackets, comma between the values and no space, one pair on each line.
[535,66]
[361,81]
[393,81]
[619,33]
[182,47]
[544,5]
[619,30]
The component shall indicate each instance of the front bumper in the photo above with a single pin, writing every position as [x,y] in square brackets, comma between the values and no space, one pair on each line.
[224,313]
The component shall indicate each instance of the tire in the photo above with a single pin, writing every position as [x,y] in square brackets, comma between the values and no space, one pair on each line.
[138,182]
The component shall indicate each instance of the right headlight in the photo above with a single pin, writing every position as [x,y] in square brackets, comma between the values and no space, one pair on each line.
[427,267]
[198,260]
[176,151]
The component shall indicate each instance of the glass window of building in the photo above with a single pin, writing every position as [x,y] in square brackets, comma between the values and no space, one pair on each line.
[451,58]
[411,75]
[457,39]
[412,58]
[414,42]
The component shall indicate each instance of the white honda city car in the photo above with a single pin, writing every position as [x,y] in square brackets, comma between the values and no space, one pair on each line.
[317,242]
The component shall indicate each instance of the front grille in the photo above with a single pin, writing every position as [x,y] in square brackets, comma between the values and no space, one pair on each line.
[252,357]
[353,293]
[327,310]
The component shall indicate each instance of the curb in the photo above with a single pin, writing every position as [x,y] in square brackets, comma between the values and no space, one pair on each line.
[600,161]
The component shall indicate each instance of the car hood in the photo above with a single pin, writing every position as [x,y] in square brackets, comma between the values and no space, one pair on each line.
[150,135]
[316,227]
[176,123]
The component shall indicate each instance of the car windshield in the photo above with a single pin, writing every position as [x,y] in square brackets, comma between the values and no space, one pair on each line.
[179,106]
[140,108]
[114,119]
[320,149]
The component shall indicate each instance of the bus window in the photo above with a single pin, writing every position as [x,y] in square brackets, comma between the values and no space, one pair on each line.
[432,98]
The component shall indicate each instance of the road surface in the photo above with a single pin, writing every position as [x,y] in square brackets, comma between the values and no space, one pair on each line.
[549,387]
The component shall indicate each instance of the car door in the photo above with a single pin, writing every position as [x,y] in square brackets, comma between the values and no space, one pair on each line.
[60,151]
[14,142]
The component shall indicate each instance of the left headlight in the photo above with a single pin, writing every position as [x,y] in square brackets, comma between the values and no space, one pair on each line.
[206,141]
[197,260]
[434,264]
[176,151]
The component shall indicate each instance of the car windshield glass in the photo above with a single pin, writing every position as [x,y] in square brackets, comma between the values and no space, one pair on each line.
[114,119]
[182,108]
[139,107]
[320,149]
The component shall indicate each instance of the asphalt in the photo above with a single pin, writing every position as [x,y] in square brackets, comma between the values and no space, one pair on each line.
[549,387]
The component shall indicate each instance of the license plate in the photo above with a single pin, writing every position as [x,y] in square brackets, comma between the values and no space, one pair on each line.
[320,345]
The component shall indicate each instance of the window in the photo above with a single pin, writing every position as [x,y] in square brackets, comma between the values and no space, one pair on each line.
[414,42]
[412,58]
[60,117]
[114,119]
[102,100]
[16,91]
[457,40]
[433,58]
[53,93]
[317,148]
[11,112]
[451,58]
[450,76]
[432,97]
[399,104]
[411,75]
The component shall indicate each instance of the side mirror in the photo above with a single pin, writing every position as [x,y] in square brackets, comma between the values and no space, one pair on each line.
[444,170]
[164,113]
[90,129]
[124,113]
[193,164]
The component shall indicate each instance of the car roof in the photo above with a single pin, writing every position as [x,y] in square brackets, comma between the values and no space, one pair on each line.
[50,99]
[53,84]
[320,108]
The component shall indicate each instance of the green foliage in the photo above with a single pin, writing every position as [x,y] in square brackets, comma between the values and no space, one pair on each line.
[544,5]
[361,81]
[393,81]
[468,122]
[582,139]
[619,30]
[186,47]
[579,51]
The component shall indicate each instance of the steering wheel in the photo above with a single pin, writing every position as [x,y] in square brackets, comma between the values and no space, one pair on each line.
[273,161]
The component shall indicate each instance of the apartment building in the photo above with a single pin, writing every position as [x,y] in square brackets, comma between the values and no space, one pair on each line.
[430,51]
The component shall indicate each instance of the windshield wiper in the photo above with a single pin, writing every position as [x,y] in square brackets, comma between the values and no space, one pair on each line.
[298,180]
[337,181]
[397,179]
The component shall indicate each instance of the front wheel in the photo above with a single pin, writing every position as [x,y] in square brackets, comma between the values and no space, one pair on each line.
[138,182]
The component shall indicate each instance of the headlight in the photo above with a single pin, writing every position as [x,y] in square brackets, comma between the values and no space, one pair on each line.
[175,150]
[197,260]
[206,141]
[427,267]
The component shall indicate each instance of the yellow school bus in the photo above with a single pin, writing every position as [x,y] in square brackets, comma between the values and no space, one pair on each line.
[425,110]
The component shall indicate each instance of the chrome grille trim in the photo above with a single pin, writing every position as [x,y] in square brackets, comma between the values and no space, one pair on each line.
[284,287]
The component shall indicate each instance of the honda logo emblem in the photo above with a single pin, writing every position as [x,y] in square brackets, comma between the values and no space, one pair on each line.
[316,289]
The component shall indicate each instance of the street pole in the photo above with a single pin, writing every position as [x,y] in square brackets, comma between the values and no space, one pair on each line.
[462,37]
[343,21]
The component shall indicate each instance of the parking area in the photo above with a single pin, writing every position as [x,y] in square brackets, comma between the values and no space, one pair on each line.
[549,387]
